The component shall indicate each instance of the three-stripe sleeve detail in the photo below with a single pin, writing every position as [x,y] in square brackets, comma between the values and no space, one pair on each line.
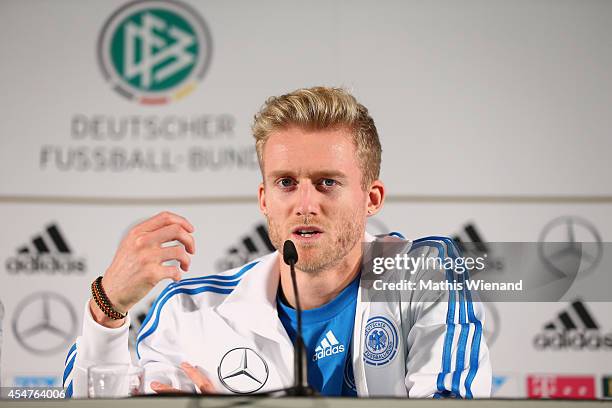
[68,370]
[466,320]
[220,284]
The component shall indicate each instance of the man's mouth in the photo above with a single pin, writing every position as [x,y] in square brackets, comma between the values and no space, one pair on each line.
[306,232]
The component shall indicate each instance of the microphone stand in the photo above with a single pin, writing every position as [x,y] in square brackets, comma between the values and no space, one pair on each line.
[300,387]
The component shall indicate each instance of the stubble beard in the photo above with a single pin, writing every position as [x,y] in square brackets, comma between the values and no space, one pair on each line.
[317,257]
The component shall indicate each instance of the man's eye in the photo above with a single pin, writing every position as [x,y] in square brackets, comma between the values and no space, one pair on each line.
[285,182]
[328,182]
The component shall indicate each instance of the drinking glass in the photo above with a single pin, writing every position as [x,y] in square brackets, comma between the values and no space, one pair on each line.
[115,381]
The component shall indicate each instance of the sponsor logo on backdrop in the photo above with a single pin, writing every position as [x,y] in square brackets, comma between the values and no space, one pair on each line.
[49,253]
[606,386]
[508,385]
[560,386]
[574,329]
[40,381]
[45,323]
[242,370]
[470,242]
[251,246]
[572,231]
[154,52]
[497,383]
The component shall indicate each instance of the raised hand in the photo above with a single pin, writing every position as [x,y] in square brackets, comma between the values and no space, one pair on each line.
[138,263]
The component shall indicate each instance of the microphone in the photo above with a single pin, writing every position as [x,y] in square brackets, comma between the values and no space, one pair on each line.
[300,374]
[290,255]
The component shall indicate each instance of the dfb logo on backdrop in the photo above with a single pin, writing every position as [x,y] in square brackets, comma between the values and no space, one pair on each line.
[154,52]
[47,253]
[574,328]
[151,52]
[44,323]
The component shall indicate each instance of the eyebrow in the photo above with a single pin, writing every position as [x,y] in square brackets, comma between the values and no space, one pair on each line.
[318,174]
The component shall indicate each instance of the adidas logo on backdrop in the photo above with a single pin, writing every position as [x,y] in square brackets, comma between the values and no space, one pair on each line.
[251,246]
[328,347]
[573,329]
[49,253]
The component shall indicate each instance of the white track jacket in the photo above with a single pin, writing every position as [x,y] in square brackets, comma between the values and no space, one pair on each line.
[410,345]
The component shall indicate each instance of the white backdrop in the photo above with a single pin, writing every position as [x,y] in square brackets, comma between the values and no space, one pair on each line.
[494,114]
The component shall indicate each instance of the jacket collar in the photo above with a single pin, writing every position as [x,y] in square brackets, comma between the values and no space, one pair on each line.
[254,299]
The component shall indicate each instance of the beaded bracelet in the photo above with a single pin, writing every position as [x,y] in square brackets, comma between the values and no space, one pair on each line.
[99,296]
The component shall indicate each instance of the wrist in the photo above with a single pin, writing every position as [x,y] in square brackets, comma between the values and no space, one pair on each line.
[103,311]
[102,319]
[111,295]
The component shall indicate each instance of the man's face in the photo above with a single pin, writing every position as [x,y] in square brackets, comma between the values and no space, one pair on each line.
[312,195]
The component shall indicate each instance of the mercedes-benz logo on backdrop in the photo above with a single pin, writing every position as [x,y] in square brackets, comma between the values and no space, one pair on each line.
[242,370]
[45,323]
[569,237]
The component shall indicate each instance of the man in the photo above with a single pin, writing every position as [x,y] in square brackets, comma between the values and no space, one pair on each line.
[319,155]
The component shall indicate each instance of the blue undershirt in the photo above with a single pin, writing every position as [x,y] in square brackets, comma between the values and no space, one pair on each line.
[327,331]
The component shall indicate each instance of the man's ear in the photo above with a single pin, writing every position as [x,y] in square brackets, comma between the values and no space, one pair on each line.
[376,197]
[261,197]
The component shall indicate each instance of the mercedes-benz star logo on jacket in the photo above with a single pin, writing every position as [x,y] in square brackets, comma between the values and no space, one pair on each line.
[242,370]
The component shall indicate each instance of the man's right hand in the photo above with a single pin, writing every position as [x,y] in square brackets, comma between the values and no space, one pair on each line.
[137,266]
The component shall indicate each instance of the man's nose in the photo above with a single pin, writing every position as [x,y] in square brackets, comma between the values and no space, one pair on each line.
[307,199]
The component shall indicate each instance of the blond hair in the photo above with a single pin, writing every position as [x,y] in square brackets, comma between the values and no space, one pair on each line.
[321,108]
